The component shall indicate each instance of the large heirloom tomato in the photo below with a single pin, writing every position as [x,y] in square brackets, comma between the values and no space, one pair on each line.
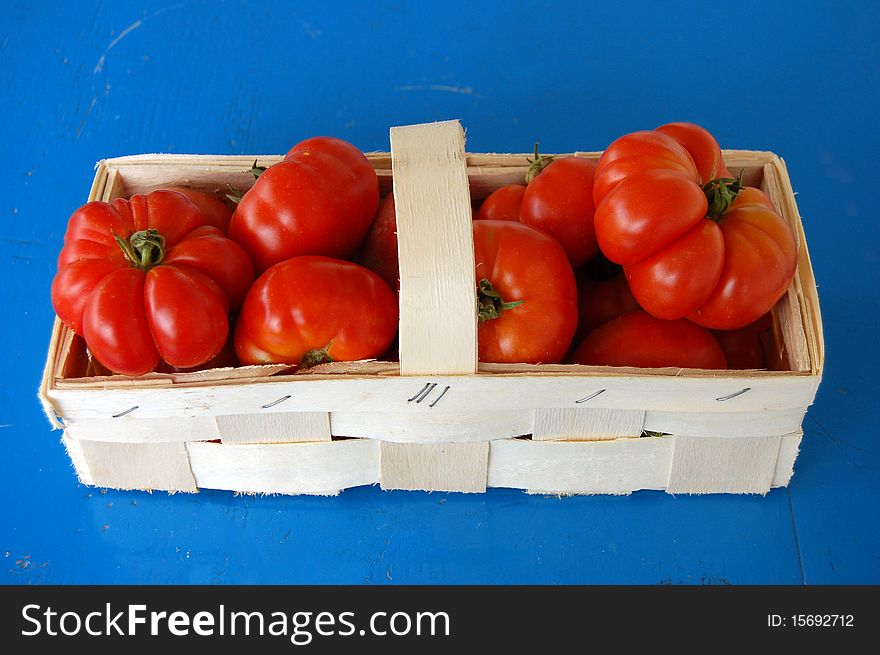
[639,339]
[319,201]
[691,245]
[559,200]
[144,281]
[526,294]
[310,310]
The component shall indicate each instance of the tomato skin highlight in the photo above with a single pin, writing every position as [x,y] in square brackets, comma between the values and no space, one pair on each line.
[645,213]
[667,283]
[319,201]
[701,146]
[641,340]
[115,324]
[503,204]
[132,313]
[638,153]
[760,263]
[206,250]
[215,212]
[187,313]
[525,264]
[559,201]
[316,303]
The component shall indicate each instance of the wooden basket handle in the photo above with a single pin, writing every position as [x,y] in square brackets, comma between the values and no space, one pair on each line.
[435,244]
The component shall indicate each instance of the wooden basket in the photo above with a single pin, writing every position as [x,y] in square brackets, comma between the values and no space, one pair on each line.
[438,420]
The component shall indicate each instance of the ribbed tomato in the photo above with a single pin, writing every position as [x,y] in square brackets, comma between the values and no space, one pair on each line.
[144,280]
[216,212]
[708,250]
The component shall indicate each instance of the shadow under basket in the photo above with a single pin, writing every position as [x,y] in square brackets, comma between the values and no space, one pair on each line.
[438,420]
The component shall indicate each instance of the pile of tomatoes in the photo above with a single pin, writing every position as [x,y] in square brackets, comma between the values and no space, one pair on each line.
[654,256]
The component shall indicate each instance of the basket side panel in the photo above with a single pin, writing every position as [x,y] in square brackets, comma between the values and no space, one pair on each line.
[299,468]
[620,466]
[147,466]
[789,447]
[737,465]
[588,424]
[274,427]
[434,467]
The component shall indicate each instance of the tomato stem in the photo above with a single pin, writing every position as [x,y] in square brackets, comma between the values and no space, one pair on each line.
[538,164]
[490,304]
[144,249]
[256,171]
[316,356]
[721,192]
[235,194]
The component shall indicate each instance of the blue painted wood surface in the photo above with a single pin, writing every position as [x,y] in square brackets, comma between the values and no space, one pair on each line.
[78,83]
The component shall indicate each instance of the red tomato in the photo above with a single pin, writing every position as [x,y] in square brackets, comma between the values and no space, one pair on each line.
[216,212]
[744,348]
[701,146]
[721,264]
[600,300]
[502,204]
[559,200]
[310,310]
[639,339]
[144,281]
[526,293]
[379,253]
[224,359]
[319,201]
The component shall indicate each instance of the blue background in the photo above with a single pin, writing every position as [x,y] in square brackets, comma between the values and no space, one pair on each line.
[79,83]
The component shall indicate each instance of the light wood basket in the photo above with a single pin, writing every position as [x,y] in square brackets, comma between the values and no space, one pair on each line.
[438,420]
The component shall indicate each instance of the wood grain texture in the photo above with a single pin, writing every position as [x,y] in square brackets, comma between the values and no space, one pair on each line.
[466,394]
[147,466]
[726,424]
[789,447]
[620,466]
[431,426]
[77,457]
[274,427]
[438,322]
[586,424]
[736,465]
[133,429]
[302,468]
[434,467]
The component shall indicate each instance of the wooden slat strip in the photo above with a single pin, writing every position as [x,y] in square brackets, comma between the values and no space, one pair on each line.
[147,466]
[434,467]
[274,427]
[599,467]
[438,322]
[742,465]
[586,424]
